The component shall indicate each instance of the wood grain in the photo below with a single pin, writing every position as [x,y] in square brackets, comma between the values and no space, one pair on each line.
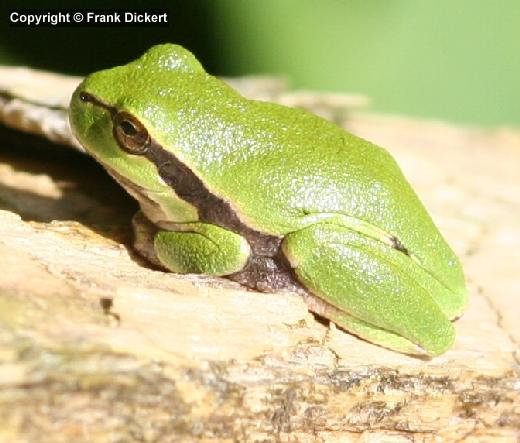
[97,346]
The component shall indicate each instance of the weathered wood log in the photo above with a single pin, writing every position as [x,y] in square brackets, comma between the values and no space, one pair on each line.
[95,345]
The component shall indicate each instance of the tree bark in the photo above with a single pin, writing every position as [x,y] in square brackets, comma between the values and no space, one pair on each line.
[95,345]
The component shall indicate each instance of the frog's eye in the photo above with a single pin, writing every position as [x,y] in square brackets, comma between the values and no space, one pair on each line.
[130,134]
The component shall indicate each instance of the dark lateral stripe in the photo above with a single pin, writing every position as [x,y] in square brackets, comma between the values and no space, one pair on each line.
[211,208]
[190,188]
[86,97]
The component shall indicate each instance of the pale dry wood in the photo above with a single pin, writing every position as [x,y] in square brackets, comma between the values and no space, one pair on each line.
[97,346]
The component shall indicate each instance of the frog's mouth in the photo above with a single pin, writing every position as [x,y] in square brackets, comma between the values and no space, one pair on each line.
[153,210]
[137,191]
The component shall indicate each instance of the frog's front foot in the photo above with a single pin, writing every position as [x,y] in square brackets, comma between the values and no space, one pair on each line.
[195,248]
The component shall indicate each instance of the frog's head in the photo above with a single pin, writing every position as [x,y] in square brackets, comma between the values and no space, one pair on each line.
[117,113]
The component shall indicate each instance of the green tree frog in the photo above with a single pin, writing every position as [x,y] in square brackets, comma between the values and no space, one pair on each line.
[272,197]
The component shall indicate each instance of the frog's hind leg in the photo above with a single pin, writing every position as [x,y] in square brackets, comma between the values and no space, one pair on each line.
[368,289]
[360,328]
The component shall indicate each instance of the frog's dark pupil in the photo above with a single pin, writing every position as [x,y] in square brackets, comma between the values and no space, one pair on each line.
[128,128]
[130,134]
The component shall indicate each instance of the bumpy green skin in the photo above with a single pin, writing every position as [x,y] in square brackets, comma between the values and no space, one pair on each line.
[336,199]
[204,249]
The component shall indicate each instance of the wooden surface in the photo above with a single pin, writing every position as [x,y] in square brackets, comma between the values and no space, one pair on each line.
[96,346]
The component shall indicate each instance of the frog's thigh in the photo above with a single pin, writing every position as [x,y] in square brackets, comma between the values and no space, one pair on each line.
[203,249]
[380,302]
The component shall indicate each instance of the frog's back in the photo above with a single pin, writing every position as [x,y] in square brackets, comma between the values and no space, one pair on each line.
[277,165]
[282,169]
